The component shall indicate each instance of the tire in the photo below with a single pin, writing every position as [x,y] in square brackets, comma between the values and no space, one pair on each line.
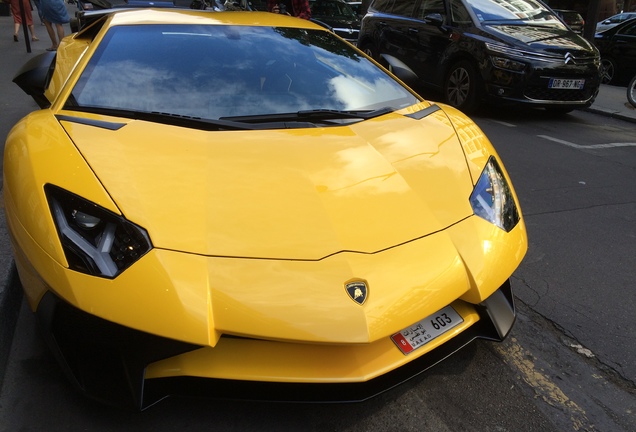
[608,70]
[461,87]
[631,92]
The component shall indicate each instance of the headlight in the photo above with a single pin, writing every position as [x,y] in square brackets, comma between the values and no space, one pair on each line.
[504,63]
[492,198]
[96,241]
[521,54]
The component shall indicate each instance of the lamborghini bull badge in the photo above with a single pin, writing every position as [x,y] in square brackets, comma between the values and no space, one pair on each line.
[357,291]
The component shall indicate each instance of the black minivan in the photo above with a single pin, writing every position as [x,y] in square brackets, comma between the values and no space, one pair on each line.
[506,51]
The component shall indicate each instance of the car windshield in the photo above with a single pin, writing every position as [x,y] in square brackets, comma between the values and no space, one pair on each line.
[514,11]
[220,71]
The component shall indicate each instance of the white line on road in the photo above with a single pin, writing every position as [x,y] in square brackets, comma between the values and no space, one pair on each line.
[593,146]
[504,123]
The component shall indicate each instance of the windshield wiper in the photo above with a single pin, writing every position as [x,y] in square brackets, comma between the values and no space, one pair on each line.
[315,115]
[167,118]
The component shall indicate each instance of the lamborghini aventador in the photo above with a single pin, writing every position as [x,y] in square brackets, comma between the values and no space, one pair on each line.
[244,205]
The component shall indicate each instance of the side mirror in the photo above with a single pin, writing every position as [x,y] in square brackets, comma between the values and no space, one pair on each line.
[435,19]
[34,77]
[400,70]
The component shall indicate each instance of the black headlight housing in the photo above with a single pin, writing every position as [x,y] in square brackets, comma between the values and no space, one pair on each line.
[492,198]
[95,240]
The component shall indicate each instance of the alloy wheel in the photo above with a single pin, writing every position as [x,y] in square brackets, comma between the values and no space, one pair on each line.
[458,88]
[607,71]
[631,91]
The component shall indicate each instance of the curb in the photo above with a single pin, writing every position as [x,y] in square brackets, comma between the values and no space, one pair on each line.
[611,113]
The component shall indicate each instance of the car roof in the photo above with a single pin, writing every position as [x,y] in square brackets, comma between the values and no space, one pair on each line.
[189,16]
[147,16]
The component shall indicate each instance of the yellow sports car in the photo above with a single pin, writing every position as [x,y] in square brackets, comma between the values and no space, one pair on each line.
[242,204]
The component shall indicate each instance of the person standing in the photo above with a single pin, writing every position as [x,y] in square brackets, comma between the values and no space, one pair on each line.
[17,18]
[297,8]
[54,14]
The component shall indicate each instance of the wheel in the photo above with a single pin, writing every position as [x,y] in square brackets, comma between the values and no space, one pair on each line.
[461,86]
[631,91]
[608,70]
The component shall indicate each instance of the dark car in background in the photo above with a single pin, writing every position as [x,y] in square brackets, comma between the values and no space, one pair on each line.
[614,20]
[337,15]
[618,52]
[512,51]
[572,19]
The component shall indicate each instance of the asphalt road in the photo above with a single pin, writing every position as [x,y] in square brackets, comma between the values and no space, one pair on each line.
[575,178]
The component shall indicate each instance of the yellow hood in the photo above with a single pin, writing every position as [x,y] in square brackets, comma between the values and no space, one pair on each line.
[290,194]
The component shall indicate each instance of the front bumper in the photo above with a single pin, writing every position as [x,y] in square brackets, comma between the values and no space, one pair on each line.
[531,87]
[121,366]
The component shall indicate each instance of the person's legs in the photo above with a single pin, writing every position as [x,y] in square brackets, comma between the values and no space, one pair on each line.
[51,32]
[32,30]
[60,32]
[16,29]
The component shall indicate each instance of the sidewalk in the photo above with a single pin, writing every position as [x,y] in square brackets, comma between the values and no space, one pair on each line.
[612,101]
[14,104]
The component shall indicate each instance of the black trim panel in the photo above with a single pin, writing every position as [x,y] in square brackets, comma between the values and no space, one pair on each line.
[107,361]
[91,122]
[419,115]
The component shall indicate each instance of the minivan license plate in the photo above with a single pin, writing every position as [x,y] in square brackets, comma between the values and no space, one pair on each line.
[424,331]
[558,83]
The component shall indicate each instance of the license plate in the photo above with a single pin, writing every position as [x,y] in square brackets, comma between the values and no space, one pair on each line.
[558,83]
[424,331]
